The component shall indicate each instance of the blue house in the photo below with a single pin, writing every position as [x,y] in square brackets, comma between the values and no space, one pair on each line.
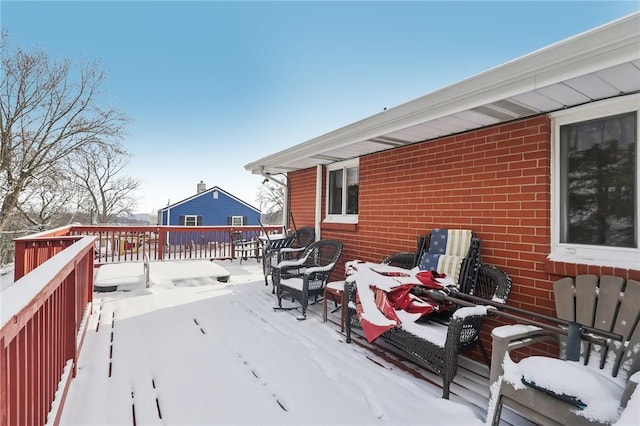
[209,207]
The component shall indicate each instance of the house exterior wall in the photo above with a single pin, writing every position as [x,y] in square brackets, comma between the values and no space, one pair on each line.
[302,193]
[495,181]
[214,212]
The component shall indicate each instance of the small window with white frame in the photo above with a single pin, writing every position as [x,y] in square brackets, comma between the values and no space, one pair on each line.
[595,204]
[190,220]
[237,221]
[342,192]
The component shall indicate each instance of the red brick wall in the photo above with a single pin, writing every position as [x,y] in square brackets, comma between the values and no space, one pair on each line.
[495,181]
[302,193]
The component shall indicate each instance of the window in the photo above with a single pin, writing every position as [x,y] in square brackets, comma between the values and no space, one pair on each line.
[342,192]
[236,220]
[190,220]
[596,207]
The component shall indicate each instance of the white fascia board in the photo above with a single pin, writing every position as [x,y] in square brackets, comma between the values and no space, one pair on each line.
[602,47]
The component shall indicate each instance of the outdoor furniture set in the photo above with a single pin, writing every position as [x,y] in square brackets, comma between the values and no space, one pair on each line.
[431,304]
[433,340]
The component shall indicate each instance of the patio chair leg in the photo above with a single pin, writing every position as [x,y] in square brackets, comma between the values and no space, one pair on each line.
[497,412]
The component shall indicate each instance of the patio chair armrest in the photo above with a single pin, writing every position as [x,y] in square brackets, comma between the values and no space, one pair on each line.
[292,249]
[246,243]
[317,269]
[464,325]
[511,337]
[403,260]
[295,263]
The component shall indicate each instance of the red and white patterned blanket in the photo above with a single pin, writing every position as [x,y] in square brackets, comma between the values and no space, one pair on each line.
[387,296]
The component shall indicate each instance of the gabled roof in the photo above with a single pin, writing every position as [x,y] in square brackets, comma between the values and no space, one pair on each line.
[208,191]
[601,63]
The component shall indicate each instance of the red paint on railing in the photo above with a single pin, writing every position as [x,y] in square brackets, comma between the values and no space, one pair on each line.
[46,333]
[131,243]
[37,343]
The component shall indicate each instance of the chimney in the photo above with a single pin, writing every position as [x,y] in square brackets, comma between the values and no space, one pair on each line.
[201,187]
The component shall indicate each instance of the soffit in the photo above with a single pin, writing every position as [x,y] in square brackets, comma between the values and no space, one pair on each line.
[599,64]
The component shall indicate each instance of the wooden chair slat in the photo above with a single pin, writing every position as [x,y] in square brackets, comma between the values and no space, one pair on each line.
[608,299]
[628,325]
[564,293]
[586,298]
[629,309]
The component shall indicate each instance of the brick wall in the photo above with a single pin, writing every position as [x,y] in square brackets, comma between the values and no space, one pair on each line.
[302,192]
[494,180]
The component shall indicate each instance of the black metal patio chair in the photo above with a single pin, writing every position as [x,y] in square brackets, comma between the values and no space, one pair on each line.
[244,248]
[292,244]
[305,278]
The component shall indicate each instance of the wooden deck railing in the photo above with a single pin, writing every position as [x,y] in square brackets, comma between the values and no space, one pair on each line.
[42,325]
[43,314]
[131,243]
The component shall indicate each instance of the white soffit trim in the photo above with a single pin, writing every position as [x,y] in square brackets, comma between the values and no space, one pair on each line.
[593,51]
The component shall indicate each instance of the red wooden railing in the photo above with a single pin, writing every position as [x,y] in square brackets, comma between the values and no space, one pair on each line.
[131,243]
[43,314]
[42,327]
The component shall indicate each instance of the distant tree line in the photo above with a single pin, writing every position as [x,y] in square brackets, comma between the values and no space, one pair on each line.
[61,153]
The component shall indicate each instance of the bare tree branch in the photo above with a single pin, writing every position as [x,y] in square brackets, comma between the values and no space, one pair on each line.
[99,168]
[47,111]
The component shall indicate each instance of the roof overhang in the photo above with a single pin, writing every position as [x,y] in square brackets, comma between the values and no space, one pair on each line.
[601,63]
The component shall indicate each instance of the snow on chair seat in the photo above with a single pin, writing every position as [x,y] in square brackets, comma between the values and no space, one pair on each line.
[596,386]
[305,278]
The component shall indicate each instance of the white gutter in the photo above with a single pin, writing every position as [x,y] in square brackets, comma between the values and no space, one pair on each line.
[318,217]
[611,44]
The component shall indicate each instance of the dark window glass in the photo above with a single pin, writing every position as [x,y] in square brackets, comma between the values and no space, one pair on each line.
[598,182]
[335,192]
[352,190]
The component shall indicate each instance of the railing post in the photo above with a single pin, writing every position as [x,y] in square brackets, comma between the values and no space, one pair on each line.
[20,259]
[160,249]
[4,383]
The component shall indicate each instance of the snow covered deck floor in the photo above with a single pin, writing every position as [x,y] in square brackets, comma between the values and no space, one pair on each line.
[205,352]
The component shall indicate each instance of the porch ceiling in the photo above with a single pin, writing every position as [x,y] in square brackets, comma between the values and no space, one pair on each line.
[601,63]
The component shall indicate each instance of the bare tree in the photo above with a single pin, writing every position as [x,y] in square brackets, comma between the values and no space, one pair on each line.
[54,200]
[99,170]
[271,199]
[47,111]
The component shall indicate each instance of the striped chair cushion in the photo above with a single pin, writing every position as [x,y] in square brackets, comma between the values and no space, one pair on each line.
[453,242]
[459,242]
[442,263]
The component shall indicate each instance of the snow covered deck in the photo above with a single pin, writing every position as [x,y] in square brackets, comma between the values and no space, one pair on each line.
[199,351]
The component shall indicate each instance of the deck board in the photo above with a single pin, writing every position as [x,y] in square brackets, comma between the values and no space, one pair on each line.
[471,384]
[141,390]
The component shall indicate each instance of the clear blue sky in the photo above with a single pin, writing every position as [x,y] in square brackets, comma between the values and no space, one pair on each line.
[212,86]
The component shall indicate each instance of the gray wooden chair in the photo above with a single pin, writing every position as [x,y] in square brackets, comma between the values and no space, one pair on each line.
[600,350]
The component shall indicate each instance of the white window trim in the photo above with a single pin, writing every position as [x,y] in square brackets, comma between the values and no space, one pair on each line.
[191,216]
[340,218]
[233,220]
[578,253]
